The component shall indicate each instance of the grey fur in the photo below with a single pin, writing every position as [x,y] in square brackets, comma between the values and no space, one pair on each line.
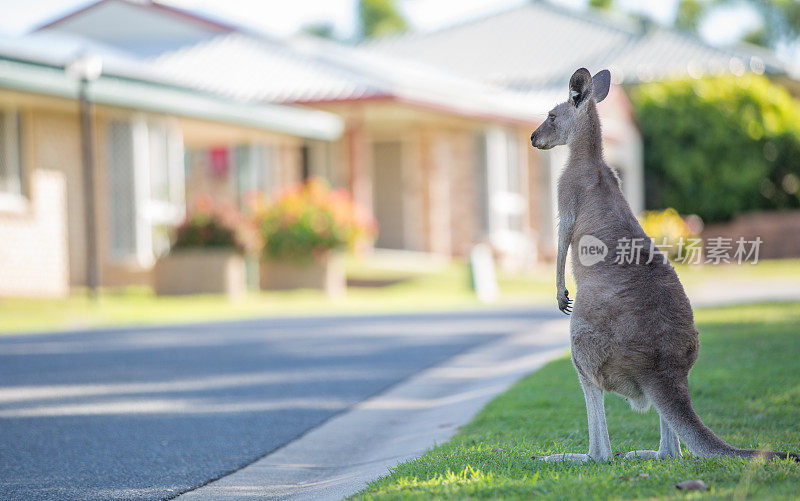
[632,326]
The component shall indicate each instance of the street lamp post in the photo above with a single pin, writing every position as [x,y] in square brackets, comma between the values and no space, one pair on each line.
[86,68]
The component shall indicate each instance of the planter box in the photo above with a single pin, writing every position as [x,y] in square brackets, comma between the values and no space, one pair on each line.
[326,274]
[201,271]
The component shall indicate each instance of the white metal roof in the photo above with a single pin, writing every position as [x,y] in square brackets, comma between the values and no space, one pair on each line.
[539,44]
[256,68]
[245,67]
[36,63]
[307,70]
[141,27]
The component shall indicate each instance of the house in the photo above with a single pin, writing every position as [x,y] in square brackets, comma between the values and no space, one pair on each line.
[444,161]
[428,129]
[436,124]
[532,50]
[143,123]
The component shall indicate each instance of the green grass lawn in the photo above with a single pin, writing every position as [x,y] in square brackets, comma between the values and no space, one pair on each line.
[444,286]
[440,287]
[745,386]
[773,270]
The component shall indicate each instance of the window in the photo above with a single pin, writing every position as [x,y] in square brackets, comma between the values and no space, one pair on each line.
[305,162]
[165,174]
[121,190]
[257,170]
[165,165]
[158,153]
[482,180]
[11,171]
[146,187]
[318,159]
[514,182]
[506,201]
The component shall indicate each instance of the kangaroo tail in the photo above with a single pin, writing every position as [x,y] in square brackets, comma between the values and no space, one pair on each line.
[672,401]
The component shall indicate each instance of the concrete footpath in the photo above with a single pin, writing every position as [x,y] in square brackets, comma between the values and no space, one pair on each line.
[339,457]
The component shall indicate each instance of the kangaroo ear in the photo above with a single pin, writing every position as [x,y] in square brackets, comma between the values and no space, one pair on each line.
[580,87]
[601,83]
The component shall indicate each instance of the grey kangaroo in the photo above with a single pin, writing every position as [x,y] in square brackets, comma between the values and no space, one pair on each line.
[632,327]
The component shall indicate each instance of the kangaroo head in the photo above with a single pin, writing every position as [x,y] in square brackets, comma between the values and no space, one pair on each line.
[562,120]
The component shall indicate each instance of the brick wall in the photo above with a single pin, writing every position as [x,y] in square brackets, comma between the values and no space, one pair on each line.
[779,232]
[33,253]
[415,193]
[441,191]
[417,165]
[463,193]
[440,171]
[55,143]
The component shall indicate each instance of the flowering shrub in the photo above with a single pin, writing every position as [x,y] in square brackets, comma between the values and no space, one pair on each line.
[210,227]
[308,220]
[667,228]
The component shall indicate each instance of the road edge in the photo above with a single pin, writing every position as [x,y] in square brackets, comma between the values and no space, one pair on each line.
[340,456]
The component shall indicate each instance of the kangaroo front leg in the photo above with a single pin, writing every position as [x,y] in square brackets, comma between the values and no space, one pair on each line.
[566,225]
[668,447]
[599,444]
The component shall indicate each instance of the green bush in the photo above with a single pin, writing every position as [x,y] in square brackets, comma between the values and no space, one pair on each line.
[719,146]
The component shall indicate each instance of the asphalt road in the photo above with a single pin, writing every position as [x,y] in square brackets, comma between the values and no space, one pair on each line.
[148,413]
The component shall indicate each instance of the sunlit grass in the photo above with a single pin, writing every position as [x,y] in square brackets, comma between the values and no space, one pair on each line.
[745,385]
[771,269]
[445,286]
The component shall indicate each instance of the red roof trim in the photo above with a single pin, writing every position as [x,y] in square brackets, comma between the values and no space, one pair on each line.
[418,104]
[174,11]
[72,14]
[367,98]
[469,114]
[191,16]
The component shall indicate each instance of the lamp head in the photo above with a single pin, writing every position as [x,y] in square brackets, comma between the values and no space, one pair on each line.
[86,66]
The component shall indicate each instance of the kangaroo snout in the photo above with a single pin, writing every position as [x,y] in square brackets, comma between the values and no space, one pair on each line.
[537,142]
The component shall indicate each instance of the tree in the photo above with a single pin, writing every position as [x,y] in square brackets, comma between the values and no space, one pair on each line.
[380,17]
[690,13]
[758,36]
[719,146]
[601,4]
[320,30]
[780,21]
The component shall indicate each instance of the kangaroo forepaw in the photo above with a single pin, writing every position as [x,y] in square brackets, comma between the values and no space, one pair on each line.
[564,302]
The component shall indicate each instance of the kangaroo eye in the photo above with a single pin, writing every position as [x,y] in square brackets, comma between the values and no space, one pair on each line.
[551,117]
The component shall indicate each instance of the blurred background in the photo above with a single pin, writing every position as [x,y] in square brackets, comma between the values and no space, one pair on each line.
[189,159]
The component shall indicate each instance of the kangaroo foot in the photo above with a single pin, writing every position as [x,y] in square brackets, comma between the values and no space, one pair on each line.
[555,458]
[645,454]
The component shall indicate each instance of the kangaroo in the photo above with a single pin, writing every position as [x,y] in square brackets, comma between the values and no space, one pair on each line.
[632,327]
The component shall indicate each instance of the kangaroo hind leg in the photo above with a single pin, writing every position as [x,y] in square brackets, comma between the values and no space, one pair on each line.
[668,446]
[599,444]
